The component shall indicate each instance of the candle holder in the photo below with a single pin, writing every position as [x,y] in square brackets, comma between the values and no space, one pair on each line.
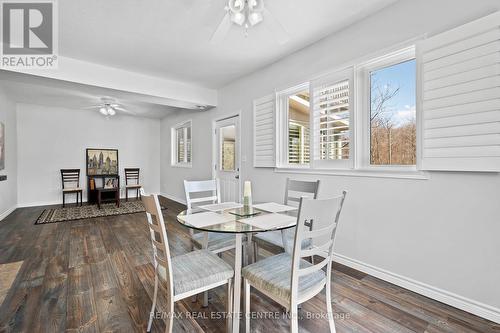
[247,204]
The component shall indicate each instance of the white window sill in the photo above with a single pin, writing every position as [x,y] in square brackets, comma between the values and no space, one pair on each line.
[184,165]
[406,174]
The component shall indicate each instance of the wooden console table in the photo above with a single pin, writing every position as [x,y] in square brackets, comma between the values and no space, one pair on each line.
[114,190]
[97,193]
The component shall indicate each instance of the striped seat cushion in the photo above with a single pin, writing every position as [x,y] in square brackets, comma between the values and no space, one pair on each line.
[216,241]
[72,189]
[273,275]
[197,269]
[275,238]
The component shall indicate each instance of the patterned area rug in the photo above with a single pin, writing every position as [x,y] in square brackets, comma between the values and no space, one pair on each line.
[87,212]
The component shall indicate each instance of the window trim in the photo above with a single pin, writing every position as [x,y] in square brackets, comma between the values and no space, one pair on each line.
[282,127]
[362,112]
[174,146]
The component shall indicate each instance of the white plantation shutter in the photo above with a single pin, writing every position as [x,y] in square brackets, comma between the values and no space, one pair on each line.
[460,95]
[264,135]
[331,118]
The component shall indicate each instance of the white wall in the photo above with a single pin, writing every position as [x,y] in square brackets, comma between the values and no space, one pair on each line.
[8,188]
[50,139]
[439,236]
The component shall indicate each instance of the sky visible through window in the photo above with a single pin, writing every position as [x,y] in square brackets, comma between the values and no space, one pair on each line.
[401,107]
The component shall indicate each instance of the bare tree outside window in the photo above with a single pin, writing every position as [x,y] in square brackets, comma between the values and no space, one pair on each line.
[392,115]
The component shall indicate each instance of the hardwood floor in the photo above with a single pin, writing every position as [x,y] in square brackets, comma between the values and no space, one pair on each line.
[96,276]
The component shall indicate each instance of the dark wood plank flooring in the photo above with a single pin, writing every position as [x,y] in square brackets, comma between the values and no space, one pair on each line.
[96,276]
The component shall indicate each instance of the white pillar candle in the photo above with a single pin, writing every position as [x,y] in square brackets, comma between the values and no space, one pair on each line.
[247,189]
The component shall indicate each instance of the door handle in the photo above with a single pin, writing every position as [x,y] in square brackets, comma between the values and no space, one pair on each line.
[237,176]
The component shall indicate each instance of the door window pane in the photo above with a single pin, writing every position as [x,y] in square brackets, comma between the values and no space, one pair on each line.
[228,148]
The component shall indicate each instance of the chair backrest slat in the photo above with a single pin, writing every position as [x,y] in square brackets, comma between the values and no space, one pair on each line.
[318,220]
[313,268]
[321,250]
[295,189]
[70,178]
[132,176]
[204,186]
[321,232]
[159,239]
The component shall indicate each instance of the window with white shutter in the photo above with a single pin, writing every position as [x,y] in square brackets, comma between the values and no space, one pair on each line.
[264,136]
[293,128]
[331,118]
[460,95]
[181,144]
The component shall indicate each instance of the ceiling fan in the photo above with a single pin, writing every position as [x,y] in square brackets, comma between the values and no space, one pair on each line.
[109,107]
[247,14]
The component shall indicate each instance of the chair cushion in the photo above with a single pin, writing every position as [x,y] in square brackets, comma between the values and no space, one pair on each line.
[72,189]
[216,240]
[273,275]
[275,238]
[271,237]
[197,269]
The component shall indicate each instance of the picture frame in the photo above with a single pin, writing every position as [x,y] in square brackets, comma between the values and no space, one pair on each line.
[102,162]
[110,182]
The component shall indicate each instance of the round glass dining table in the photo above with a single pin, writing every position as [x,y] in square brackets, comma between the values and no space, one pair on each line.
[232,221]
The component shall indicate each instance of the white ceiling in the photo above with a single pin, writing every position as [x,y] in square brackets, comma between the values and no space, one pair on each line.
[170,38]
[49,92]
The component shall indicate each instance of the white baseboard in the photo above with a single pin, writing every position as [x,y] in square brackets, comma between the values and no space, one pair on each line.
[7,212]
[457,301]
[41,203]
[57,202]
[171,197]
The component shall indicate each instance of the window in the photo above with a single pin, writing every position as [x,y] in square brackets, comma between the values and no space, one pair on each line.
[332,119]
[181,144]
[393,127]
[315,122]
[294,108]
[333,114]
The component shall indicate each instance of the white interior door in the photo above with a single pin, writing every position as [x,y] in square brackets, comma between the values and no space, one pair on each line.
[227,158]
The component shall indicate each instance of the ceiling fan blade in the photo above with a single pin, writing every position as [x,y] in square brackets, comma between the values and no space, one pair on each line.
[121,109]
[222,30]
[92,107]
[275,27]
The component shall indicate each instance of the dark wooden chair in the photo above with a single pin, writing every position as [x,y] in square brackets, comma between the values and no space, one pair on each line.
[71,184]
[132,182]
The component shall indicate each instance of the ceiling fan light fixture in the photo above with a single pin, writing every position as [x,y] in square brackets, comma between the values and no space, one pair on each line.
[255,18]
[103,111]
[111,111]
[238,18]
[256,5]
[236,5]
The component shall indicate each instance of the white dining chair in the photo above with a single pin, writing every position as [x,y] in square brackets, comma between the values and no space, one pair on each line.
[196,195]
[295,189]
[185,275]
[200,193]
[287,278]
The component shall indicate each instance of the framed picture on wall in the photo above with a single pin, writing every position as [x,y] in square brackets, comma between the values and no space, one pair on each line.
[2,146]
[102,162]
